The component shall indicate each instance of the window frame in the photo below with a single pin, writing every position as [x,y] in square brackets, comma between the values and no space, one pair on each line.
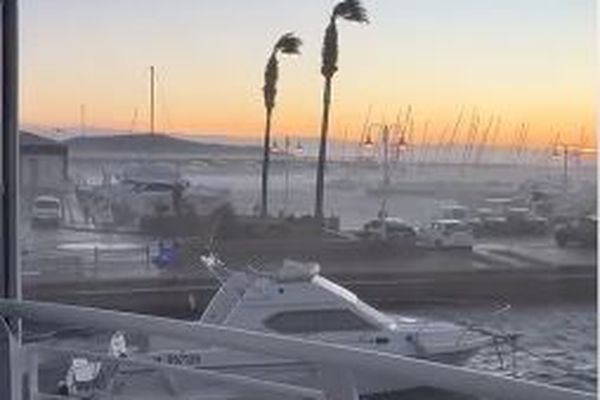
[10,280]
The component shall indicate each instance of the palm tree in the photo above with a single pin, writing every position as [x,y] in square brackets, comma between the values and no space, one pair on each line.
[351,10]
[287,44]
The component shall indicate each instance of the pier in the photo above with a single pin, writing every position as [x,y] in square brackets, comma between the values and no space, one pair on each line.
[528,272]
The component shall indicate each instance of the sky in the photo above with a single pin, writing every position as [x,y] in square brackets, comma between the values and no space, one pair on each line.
[523,61]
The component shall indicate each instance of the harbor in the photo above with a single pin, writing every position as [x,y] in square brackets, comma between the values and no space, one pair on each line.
[338,201]
[377,245]
[476,246]
[491,273]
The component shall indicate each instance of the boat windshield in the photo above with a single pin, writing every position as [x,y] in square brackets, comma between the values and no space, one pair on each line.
[314,321]
[375,316]
[362,309]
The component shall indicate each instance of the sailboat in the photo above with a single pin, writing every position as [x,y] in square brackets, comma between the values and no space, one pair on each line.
[143,188]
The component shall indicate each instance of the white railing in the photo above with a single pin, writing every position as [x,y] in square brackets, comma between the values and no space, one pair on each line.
[339,364]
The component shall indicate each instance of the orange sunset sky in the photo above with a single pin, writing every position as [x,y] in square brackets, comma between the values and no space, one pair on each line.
[526,61]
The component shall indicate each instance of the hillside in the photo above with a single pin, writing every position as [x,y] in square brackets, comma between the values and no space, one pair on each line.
[152,144]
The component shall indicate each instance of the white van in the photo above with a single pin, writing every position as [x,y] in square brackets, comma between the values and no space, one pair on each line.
[447,233]
[47,211]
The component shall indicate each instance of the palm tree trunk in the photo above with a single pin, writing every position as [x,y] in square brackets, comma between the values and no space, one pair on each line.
[323,151]
[265,165]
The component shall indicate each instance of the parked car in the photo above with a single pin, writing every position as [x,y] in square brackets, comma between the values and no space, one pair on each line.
[447,233]
[454,211]
[582,231]
[47,211]
[488,222]
[521,220]
[389,229]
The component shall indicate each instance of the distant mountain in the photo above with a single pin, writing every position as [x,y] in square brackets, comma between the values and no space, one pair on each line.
[152,144]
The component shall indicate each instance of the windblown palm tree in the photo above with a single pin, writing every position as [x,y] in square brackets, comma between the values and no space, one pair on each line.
[351,10]
[287,44]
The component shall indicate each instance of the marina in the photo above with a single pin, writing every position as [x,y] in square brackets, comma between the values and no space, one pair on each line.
[348,201]
[395,250]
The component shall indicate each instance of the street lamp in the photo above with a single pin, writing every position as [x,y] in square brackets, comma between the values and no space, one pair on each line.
[368,143]
[564,150]
[299,149]
[402,145]
[274,147]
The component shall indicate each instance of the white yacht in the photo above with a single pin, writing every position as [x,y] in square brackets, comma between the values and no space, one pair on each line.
[296,300]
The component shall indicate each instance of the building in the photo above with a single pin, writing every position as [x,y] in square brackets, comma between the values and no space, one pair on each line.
[43,167]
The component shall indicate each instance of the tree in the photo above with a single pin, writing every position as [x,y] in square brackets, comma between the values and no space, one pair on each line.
[287,44]
[350,10]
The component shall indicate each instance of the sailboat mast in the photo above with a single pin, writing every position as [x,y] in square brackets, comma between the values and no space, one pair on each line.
[386,161]
[82,119]
[286,198]
[152,99]
[343,157]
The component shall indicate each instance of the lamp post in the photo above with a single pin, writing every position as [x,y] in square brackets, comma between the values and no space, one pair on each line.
[400,145]
[564,151]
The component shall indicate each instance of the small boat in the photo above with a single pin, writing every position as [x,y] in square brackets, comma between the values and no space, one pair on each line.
[296,300]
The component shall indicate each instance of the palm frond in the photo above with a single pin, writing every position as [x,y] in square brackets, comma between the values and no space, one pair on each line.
[289,44]
[351,10]
[329,52]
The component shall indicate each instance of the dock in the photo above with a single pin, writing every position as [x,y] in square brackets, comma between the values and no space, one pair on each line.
[524,272]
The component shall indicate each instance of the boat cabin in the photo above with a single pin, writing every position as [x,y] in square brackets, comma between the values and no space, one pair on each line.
[295,300]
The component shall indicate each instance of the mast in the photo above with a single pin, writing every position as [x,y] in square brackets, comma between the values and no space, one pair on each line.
[287,174]
[424,145]
[343,157]
[82,119]
[484,140]
[364,134]
[386,162]
[449,146]
[133,120]
[152,99]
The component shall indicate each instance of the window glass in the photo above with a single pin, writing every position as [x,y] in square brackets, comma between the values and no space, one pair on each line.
[317,321]
[172,131]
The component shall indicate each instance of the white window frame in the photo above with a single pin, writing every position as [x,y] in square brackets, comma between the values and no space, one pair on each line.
[10,284]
